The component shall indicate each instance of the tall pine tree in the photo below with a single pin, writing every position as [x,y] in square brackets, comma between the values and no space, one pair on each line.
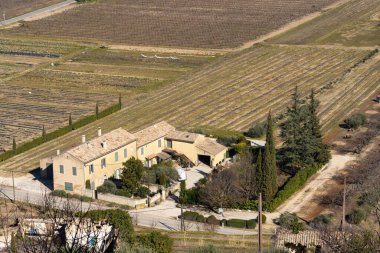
[320,151]
[71,122]
[269,168]
[97,110]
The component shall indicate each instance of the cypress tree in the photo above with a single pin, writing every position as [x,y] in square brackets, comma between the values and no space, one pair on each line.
[14,145]
[269,168]
[120,101]
[259,172]
[70,122]
[97,110]
[43,132]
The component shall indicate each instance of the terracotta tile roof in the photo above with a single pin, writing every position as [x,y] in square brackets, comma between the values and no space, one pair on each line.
[95,148]
[210,145]
[182,136]
[152,133]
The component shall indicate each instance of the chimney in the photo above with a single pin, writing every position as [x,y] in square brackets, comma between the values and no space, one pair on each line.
[104,145]
[99,131]
[83,138]
[58,152]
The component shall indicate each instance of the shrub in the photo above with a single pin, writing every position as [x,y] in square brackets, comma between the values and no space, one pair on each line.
[263,217]
[290,221]
[157,241]
[107,187]
[257,131]
[142,192]
[251,224]
[123,192]
[193,216]
[212,220]
[236,223]
[320,221]
[246,205]
[240,147]
[356,216]
[355,121]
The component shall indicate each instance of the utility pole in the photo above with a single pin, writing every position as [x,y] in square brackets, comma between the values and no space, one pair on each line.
[260,222]
[182,219]
[13,184]
[344,205]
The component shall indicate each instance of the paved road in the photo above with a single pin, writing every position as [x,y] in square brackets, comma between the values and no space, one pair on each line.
[37,12]
[140,217]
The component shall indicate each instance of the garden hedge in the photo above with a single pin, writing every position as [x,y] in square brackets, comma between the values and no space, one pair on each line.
[237,223]
[293,185]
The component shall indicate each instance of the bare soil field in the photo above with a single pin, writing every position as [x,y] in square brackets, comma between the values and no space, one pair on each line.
[13,8]
[352,24]
[189,24]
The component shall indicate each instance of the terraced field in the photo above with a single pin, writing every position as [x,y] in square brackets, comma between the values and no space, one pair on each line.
[23,111]
[13,8]
[356,23]
[42,82]
[237,90]
[194,24]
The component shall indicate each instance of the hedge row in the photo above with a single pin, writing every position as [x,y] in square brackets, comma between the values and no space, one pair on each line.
[63,194]
[236,223]
[59,132]
[293,185]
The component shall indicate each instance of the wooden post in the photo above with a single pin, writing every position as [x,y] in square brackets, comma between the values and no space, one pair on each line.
[14,192]
[260,222]
[344,205]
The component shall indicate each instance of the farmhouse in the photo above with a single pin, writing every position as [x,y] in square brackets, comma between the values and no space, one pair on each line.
[90,163]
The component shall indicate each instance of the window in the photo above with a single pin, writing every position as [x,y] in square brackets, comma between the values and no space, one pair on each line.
[125,153]
[142,150]
[159,143]
[68,186]
[61,169]
[74,171]
[170,144]
[104,164]
[91,168]
[116,156]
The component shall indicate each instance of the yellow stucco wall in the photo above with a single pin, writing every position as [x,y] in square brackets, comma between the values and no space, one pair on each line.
[59,179]
[83,170]
[100,174]
[188,149]
[150,148]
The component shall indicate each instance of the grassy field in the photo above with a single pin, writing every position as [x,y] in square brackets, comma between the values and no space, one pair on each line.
[356,23]
[13,8]
[194,24]
[183,242]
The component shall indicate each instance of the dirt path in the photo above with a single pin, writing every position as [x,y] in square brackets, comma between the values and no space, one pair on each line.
[304,198]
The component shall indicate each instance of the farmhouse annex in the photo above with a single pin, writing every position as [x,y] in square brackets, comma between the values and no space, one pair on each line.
[94,161]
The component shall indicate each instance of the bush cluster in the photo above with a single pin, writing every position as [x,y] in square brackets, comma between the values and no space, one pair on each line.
[290,221]
[158,242]
[355,121]
[212,220]
[257,130]
[223,136]
[357,216]
[57,133]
